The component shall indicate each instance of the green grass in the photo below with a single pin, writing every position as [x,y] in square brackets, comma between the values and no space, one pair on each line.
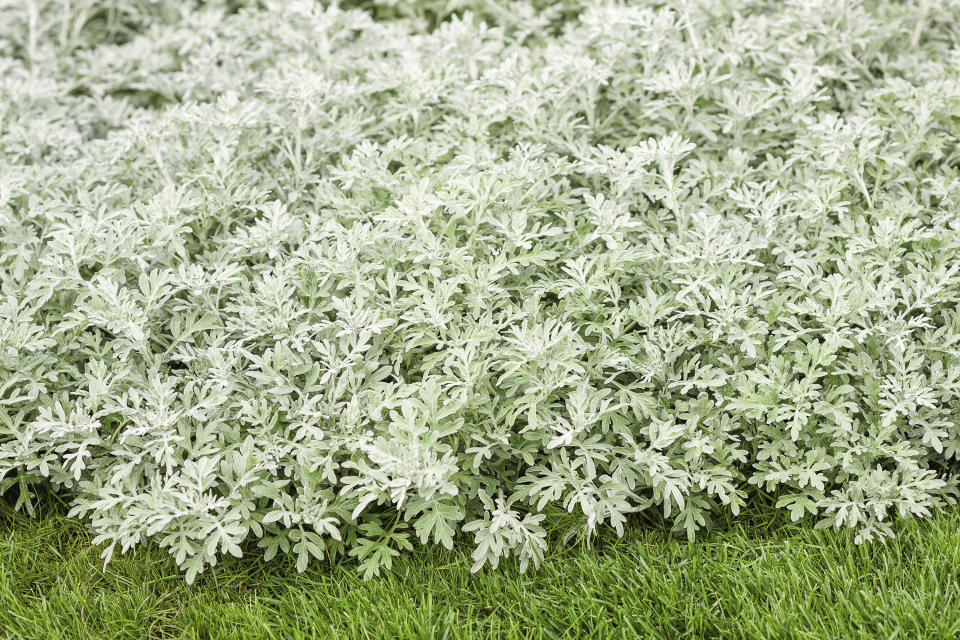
[760,578]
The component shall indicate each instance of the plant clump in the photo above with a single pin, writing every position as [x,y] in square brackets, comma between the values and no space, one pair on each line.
[331,280]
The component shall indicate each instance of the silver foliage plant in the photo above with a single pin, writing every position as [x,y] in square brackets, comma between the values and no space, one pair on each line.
[334,280]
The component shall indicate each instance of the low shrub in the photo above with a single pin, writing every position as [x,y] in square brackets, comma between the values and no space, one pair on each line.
[331,280]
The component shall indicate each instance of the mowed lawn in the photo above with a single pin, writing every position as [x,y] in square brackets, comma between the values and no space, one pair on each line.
[758,577]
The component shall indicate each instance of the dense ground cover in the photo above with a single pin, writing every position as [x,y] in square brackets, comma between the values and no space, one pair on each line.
[296,278]
[760,578]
